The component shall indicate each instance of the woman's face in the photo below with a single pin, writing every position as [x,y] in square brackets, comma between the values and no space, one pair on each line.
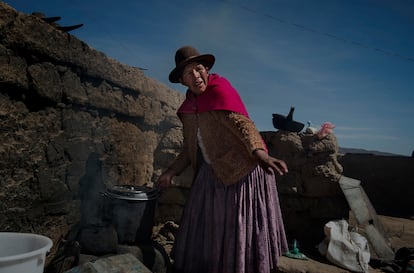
[195,77]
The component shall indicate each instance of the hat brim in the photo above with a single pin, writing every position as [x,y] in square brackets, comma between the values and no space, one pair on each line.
[206,59]
[282,123]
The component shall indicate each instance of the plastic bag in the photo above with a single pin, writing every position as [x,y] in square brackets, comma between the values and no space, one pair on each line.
[349,250]
[326,129]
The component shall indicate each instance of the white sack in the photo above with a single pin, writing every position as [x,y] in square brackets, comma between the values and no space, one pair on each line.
[346,249]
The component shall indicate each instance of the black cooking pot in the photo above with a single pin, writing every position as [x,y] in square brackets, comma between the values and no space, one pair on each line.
[132,210]
[286,123]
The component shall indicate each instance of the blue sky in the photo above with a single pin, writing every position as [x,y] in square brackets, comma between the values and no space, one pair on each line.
[350,62]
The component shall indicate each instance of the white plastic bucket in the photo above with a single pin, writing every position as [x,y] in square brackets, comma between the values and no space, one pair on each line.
[23,252]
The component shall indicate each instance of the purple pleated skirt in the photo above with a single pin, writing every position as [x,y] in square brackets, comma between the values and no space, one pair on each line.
[230,229]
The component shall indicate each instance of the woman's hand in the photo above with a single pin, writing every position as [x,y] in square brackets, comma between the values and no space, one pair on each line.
[164,181]
[267,162]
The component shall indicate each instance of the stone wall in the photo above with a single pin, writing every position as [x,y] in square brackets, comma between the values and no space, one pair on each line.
[310,195]
[62,101]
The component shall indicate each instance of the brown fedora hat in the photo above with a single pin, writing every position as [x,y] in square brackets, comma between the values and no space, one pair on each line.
[186,55]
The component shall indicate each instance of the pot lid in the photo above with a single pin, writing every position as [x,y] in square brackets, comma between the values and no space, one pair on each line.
[132,192]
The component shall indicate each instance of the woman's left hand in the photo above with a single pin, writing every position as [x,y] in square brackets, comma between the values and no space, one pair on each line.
[266,161]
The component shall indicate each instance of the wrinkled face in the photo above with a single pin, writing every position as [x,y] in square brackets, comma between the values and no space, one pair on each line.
[195,77]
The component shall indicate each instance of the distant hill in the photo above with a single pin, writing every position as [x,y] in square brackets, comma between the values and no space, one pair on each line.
[343,150]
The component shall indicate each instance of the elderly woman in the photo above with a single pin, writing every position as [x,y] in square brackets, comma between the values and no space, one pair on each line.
[232,220]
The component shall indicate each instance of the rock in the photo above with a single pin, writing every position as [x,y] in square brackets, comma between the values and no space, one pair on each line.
[98,240]
[115,263]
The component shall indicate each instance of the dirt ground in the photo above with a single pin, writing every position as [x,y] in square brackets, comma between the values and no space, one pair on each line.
[400,231]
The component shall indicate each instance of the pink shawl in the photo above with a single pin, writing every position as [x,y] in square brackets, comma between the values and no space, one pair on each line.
[219,95]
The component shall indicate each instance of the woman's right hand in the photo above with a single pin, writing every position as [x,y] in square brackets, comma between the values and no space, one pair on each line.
[164,181]
[267,162]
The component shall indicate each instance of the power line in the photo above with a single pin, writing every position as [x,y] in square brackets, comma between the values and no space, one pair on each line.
[91,16]
[328,35]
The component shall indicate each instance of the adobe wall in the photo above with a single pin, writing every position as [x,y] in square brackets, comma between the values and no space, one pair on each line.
[387,180]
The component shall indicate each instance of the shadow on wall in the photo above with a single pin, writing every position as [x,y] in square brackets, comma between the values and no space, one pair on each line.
[387,180]
[91,186]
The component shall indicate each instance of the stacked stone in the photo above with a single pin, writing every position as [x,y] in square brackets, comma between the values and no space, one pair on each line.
[309,194]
